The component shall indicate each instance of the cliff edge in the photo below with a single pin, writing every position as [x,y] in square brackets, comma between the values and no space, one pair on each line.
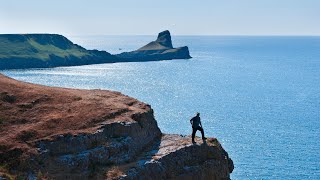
[160,49]
[60,133]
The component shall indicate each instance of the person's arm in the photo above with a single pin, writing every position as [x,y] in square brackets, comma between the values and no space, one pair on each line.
[200,122]
[191,121]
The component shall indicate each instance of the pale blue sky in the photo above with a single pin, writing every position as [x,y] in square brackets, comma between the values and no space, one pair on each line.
[181,17]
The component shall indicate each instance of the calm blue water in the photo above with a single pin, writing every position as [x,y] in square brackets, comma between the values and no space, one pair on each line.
[260,96]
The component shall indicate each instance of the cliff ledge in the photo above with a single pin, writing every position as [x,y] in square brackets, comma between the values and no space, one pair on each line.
[60,133]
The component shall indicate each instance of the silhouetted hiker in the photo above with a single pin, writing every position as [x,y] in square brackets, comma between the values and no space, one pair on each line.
[196,125]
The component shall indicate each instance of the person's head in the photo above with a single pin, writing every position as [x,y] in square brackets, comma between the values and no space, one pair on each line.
[198,114]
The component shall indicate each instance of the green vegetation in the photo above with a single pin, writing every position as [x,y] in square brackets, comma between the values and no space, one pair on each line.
[32,46]
[20,51]
[51,49]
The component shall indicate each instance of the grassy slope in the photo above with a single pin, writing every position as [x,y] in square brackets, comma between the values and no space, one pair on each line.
[31,47]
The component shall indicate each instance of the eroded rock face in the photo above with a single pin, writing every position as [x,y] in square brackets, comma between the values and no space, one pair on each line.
[164,38]
[160,49]
[116,143]
[175,157]
[61,131]
[93,134]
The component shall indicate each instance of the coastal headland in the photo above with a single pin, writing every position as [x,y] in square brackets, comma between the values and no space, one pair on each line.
[61,133]
[21,51]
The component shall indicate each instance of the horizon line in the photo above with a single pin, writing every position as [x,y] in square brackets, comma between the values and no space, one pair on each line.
[266,35]
[192,34]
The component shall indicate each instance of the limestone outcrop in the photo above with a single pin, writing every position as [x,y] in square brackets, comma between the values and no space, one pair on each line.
[160,49]
[60,133]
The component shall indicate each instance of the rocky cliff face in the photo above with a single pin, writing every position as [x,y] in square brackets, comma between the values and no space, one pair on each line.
[160,49]
[60,133]
[164,38]
[175,157]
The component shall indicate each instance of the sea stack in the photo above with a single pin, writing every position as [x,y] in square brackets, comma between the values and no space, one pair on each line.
[160,49]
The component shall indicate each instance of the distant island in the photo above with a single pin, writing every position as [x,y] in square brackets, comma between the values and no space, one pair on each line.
[20,51]
[160,49]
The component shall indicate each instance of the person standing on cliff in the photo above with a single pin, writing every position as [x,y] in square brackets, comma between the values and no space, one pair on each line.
[196,125]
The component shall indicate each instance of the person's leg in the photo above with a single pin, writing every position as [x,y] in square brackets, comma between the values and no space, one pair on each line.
[202,132]
[194,130]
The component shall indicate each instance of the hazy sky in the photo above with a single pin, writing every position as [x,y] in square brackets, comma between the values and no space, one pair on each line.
[181,17]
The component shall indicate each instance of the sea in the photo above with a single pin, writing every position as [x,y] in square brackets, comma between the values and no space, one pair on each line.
[259,95]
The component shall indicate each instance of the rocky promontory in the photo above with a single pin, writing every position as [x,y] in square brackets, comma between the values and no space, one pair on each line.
[21,51]
[160,49]
[60,133]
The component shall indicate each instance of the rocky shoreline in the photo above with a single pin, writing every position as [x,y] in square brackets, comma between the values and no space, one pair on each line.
[60,133]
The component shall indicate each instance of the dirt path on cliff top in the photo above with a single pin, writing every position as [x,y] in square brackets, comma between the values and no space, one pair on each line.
[30,112]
